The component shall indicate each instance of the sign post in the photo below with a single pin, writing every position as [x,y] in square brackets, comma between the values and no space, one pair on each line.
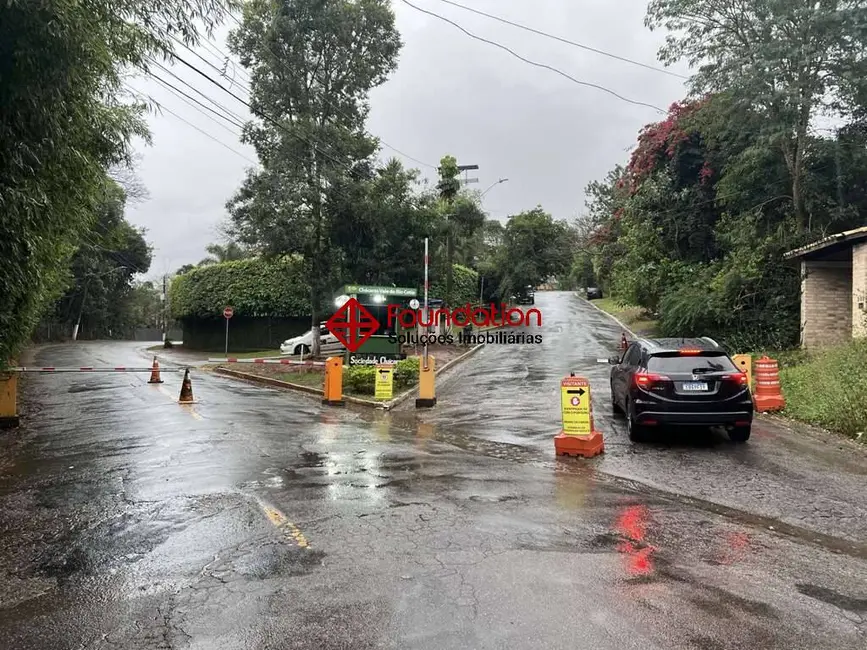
[578,436]
[228,312]
[384,382]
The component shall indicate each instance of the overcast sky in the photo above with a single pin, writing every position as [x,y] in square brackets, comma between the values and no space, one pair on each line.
[451,94]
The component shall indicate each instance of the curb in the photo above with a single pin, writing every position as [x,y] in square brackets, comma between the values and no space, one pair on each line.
[611,316]
[386,406]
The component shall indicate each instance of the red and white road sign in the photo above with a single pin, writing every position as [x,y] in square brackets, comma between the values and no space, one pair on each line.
[228,312]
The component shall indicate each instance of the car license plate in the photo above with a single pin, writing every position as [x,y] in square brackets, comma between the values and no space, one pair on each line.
[695,385]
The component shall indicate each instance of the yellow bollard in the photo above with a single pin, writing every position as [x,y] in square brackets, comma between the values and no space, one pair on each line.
[8,400]
[744,362]
[333,382]
[426,392]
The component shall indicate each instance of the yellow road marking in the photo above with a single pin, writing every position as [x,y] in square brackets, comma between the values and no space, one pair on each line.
[284,525]
[190,409]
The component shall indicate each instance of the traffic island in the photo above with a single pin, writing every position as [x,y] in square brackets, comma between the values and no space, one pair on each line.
[359,382]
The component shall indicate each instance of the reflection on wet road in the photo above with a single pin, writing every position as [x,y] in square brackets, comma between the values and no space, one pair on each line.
[260,519]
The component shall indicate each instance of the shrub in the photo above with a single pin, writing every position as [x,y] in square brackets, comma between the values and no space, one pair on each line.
[465,286]
[254,287]
[362,379]
[829,388]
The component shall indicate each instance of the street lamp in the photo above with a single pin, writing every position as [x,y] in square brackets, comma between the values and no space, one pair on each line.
[502,180]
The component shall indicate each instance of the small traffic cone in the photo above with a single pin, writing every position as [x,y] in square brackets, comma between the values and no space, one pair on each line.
[186,389]
[155,373]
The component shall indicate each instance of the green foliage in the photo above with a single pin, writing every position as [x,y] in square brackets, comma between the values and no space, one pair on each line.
[789,59]
[62,125]
[829,389]
[465,289]
[99,284]
[229,252]
[253,287]
[534,248]
[361,380]
[695,227]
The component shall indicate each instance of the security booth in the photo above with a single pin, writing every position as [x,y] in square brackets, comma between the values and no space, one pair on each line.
[383,345]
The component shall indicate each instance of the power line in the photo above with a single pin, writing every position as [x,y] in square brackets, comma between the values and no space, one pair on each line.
[384,143]
[239,118]
[178,91]
[190,124]
[533,63]
[208,63]
[564,40]
[199,110]
[254,111]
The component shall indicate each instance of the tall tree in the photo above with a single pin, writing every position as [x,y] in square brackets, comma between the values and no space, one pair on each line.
[312,64]
[790,58]
[62,124]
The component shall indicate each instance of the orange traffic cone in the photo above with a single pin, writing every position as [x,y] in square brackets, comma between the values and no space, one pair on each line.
[155,373]
[186,389]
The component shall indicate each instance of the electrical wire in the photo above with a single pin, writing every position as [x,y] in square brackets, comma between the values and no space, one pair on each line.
[240,119]
[563,40]
[199,110]
[190,124]
[533,63]
[222,73]
[180,93]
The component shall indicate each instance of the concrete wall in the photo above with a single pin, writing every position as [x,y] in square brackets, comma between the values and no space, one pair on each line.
[826,303]
[859,290]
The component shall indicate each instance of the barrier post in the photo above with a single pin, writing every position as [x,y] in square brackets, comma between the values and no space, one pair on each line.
[426,385]
[8,400]
[769,394]
[578,437]
[333,389]
[744,362]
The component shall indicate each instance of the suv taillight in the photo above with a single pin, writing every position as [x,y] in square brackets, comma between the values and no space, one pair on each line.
[647,379]
[740,378]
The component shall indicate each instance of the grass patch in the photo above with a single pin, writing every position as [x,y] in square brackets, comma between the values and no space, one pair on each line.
[827,388]
[636,318]
[311,379]
[258,354]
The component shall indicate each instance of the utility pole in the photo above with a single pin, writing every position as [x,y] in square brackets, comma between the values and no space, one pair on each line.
[165,309]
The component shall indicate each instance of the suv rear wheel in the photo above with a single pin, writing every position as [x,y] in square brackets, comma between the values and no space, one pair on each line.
[740,434]
[637,433]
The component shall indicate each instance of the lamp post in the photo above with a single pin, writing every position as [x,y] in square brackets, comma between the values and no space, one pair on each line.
[493,185]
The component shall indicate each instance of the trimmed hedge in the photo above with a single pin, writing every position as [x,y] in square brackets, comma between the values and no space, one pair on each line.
[362,379]
[465,286]
[253,287]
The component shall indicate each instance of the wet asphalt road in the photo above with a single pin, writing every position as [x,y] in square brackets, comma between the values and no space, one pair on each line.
[260,519]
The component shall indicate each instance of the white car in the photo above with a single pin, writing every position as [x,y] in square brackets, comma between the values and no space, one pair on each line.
[304,343]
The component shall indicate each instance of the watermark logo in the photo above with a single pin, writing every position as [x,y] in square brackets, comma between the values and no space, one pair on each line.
[352,325]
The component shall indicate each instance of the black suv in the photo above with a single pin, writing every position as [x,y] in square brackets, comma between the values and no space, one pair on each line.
[680,382]
[526,296]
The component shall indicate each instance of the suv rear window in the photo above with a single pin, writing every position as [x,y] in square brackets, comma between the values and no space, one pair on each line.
[676,363]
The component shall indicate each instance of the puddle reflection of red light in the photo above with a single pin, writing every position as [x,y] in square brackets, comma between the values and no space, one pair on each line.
[632,523]
[737,545]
